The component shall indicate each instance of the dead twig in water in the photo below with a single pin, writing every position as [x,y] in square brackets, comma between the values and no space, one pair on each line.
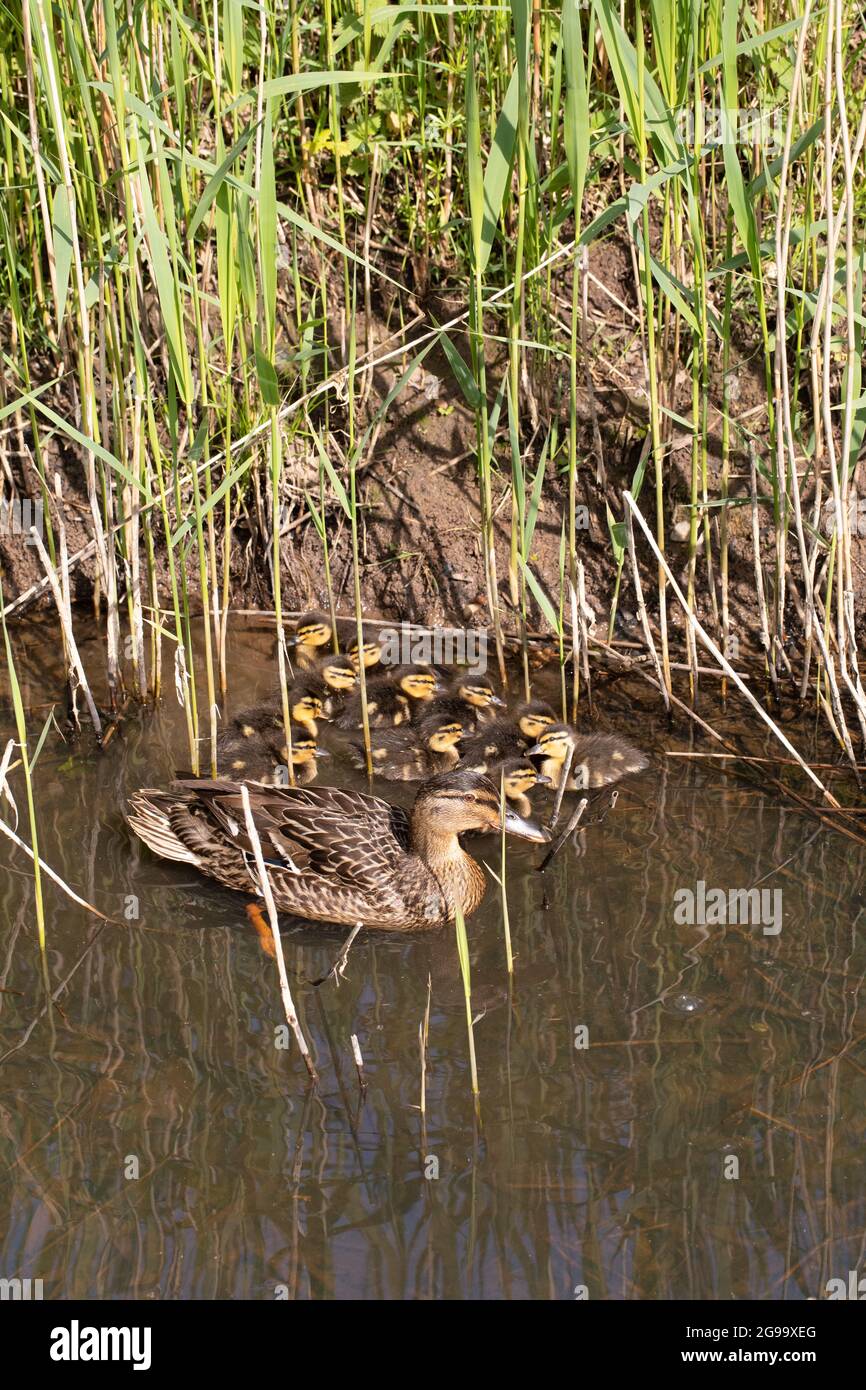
[561,839]
[359,1062]
[338,969]
[264,885]
[821,813]
[563,783]
[423,1037]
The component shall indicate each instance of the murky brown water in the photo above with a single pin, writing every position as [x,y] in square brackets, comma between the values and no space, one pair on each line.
[607,1166]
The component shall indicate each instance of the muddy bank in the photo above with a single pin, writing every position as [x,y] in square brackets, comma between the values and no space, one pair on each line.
[420,518]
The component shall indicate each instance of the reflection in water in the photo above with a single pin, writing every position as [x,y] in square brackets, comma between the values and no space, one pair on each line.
[668,1110]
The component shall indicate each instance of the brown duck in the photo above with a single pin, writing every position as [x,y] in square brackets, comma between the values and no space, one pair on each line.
[335,855]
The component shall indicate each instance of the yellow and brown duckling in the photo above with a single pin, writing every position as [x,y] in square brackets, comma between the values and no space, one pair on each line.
[305,755]
[261,759]
[507,738]
[340,677]
[244,756]
[306,697]
[518,777]
[391,699]
[313,631]
[369,653]
[411,753]
[471,699]
[254,742]
[334,855]
[597,760]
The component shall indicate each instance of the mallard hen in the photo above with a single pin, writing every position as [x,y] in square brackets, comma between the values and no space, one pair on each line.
[334,855]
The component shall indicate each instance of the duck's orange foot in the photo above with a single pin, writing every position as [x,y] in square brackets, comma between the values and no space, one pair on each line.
[262,929]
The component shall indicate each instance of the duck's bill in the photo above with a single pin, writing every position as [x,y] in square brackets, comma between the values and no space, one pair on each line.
[526,829]
[535,751]
[322,753]
[541,780]
[497,702]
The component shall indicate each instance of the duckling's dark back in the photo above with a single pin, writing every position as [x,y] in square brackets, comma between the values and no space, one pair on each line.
[600,759]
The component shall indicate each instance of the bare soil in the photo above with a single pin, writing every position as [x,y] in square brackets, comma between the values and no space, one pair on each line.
[421,553]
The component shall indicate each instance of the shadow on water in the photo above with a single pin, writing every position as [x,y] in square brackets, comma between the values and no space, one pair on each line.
[667,1110]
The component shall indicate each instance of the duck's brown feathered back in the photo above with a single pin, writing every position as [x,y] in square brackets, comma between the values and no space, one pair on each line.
[332,855]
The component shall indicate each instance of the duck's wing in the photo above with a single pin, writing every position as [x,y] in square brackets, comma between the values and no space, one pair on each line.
[328,833]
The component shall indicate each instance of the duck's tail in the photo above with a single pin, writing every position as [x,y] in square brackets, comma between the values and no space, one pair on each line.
[150,817]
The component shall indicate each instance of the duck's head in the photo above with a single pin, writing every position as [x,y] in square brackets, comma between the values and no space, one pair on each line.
[457,802]
[418,682]
[306,709]
[337,672]
[367,655]
[533,718]
[553,744]
[519,776]
[442,735]
[478,693]
[304,751]
[312,630]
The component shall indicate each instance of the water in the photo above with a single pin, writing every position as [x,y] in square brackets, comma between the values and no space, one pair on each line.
[706,1142]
